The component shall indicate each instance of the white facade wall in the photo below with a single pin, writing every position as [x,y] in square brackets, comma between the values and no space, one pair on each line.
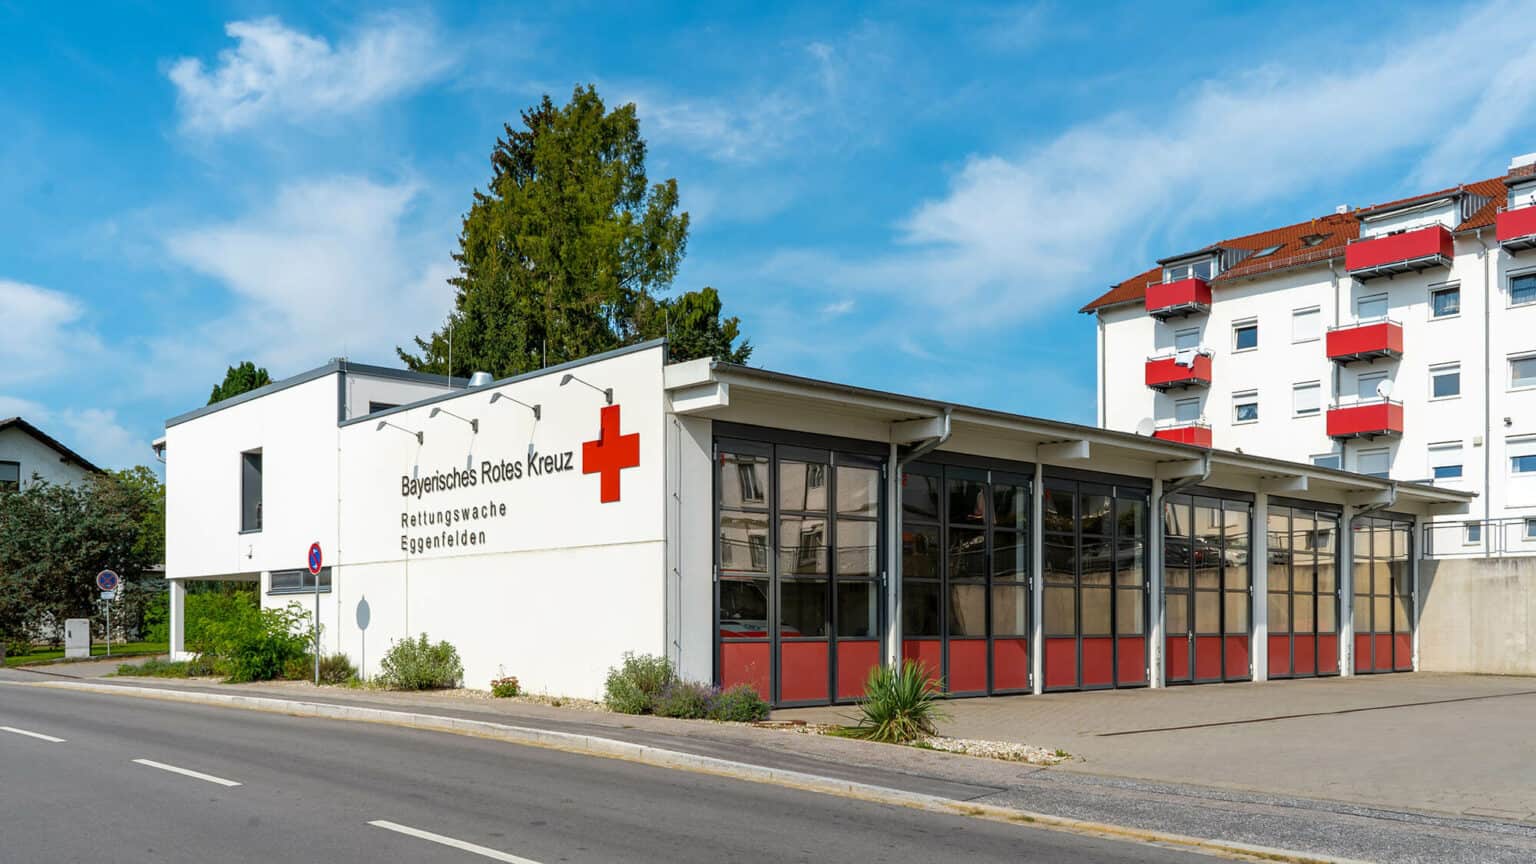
[36,459]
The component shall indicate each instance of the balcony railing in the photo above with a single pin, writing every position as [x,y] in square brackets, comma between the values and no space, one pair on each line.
[1365,340]
[1184,432]
[1516,229]
[1177,370]
[1365,418]
[1408,252]
[1178,298]
[1476,538]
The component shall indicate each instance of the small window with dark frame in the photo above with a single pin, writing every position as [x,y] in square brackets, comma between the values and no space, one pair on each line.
[1522,289]
[298,582]
[250,491]
[1245,336]
[10,476]
[376,407]
[1445,302]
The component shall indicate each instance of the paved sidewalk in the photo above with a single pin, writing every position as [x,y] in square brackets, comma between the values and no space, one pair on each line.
[1453,744]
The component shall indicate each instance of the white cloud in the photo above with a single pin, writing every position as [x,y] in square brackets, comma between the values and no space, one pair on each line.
[274,71]
[839,308]
[44,334]
[1021,230]
[94,433]
[327,267]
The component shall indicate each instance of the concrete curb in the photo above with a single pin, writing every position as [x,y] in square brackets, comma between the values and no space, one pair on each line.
[644,754]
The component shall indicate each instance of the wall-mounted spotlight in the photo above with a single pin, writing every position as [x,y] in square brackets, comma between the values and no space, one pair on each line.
[606,391]
[473,424]
[536,408]
[420,438]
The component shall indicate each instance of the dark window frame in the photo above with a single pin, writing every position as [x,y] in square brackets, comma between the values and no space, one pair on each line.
[302,582]
[10,484]
[252,505]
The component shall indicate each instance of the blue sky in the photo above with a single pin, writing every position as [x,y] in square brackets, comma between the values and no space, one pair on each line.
[908,197]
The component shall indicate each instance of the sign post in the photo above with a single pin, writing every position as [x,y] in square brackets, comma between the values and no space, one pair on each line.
[108,581]
[314,570]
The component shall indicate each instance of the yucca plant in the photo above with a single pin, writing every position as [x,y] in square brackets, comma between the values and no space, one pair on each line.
[898,706]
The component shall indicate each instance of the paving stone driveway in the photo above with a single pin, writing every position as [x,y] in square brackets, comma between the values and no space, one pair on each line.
[1457,744]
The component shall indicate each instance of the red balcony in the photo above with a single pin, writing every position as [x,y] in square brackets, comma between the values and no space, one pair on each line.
[1165,372]
[1178,298]
[1516,229]
[1369,341]
[1198,434]
[1408,252]
[1370,419]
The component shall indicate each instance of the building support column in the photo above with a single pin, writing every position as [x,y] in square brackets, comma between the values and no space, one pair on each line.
[178,618]
[1413,564]
[1156,642]
[1037,581]
[1345,584]
[893,552]
[1258,563]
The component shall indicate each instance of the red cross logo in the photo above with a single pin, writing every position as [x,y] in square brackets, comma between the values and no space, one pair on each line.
[610,454]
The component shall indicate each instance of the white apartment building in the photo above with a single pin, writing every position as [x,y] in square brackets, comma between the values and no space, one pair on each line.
[1397,341]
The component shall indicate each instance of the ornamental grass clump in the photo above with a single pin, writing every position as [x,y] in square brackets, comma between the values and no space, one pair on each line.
[899,706]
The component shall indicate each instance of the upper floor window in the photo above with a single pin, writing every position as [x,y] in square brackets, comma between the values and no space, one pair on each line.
[1445,462]
[1445,302]
[1445,381]
[250,490]
[10,476]
[1306,399]
[1371,308]
[1522,289]
[1245,336]
[1204,268]
[1245,407]
[1522,455]
[1368,385]
[1306,325]
[1187,339]
[1328,460]
[1373,463]
[1522,371]
[1187,410]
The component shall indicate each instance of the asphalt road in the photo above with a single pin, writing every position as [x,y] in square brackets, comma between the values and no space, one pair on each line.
[114,789]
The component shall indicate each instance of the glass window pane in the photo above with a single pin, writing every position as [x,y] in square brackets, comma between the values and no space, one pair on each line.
[1095,515]
[1234,557]
[1246,336]
[1059,510]
[1096,619]
[1208,612]
[1096,562]
[744,608]
[1130,619]
[1301,606]
[919,553]
[968,609]
[858,491]
[1400,614]
[1176,614]
[1010,505]
[1522,289]
[858,548]
[1207,548]
[802,485]
[1236,608]
[967,502]
[858,609]
[1130,517]
[1010,556]
[743,480]
[1060,559]
[1010,610]
[920,609]
[967,553]
[1445,383]
[1060,611]
[1446,301]
[802,607]
[1279,612]
[920,497]
[802,545]
[743,541]
[1130,563]
[1381,610]
[1362,615]
[1326,616]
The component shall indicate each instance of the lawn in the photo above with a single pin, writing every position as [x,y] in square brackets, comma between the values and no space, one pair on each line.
[127,649]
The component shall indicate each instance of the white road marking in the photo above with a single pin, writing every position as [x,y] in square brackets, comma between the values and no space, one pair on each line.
[185,772]
[38,735]
[492,854]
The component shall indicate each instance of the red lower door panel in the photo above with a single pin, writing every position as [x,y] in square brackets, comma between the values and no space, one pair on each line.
[1010,664]
[1402,652]
[928,653]
[1130,661]
[1306,654]
[1327,654]
[803,672]
[1098,661]
[1176,659]
[1207,658]
[1362,653]
[854,660]
[1237,658]
[1280,656]
[967,665]
[1383,661]
[1061,663]
[746,663]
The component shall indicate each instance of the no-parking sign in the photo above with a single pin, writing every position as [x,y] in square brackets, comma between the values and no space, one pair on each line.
[107,580]
[314,559]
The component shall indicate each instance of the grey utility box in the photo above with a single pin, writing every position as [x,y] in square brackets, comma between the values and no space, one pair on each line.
[77,637]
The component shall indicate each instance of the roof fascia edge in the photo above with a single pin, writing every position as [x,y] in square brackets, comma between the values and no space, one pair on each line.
[266,390]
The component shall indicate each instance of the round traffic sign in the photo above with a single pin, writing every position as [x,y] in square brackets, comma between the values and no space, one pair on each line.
[107,580]
[314,558]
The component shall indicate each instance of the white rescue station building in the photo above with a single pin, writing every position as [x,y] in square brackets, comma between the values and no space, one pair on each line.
[783,532]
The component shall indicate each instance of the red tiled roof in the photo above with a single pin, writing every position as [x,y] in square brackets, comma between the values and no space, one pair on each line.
[1339,228]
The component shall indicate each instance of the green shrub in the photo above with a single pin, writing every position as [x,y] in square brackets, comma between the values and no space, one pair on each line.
[685,700]
[739,704]
[252,644]
[898,706]
[417,664]
[505,687]
[336,669]
[633,686]
[298,668]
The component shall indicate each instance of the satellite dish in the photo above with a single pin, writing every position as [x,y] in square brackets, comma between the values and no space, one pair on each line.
[1145,426]
[1203,421]
[1384,389]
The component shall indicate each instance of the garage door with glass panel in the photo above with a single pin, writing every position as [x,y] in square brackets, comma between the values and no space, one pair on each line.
[1303,599]
[1207,588]
[798,558]
[1383,601]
